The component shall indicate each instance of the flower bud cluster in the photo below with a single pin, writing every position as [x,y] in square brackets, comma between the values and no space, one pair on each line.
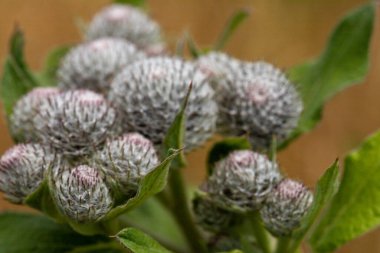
[246,181]
[75,147]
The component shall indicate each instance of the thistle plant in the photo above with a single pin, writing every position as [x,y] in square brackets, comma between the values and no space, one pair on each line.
[101,139]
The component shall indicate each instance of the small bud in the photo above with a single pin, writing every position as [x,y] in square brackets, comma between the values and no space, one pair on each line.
[216,66]
[127,22]
[80,193]
[21,121]
[259,101]
[94,64]
[75,122]
[22,170]
[211,216]
[126,160]
[243,179]
[149,93]
[285,206]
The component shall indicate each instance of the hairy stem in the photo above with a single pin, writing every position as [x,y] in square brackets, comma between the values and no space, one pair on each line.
[282,245]
[181,211]
[259,232]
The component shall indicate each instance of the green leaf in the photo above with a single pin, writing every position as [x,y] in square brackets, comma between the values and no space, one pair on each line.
[233,23]
[16,80]
[153,218]
[21,232]
[343,63]
[47,77]
[153,183]
[137,3]
[195,51]
[222,148]
[355,209]
[138,242]
[176,133]
[41,200]
[326,188]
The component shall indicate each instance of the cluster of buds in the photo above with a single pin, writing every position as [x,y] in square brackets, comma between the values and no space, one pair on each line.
[94,138]
[246,181]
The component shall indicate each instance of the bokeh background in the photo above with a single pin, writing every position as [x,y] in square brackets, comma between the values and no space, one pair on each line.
[284,32]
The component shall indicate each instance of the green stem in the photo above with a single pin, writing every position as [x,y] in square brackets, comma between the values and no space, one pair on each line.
[283,245]
[181,211]
[259,232]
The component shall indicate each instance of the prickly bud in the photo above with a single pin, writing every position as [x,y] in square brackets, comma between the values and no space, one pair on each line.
[22,170]
[211,216]
[75,122]
[216,66]
[129,23]
[94,64]
[149,93]
[80,193]
[243,179]
[21,121]
[285,206]
[126,160]
[259,100]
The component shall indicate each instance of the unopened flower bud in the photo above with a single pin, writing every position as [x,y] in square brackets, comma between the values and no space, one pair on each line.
[94,64]
[243,179]
[149,93]
[75,122]
[259,101]
[127,22]
[285,206]
[211,216]
[21,121]
[22,170]
[217,66]
[126,160]
[81,194]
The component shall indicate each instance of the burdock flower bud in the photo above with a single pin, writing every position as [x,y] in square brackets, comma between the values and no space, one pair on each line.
[243,179]
[211,216]
[149,93]
[94,64]
[21,121]
[129,23]
[259,101]
[75,122]
[126,160]
[216,66]
[285,206]
[80,193]
[22,170]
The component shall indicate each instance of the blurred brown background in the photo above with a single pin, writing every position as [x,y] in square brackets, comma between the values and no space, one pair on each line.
[285,32]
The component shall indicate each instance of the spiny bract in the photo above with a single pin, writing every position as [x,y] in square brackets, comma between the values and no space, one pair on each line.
[126,160]
[22,170]
[129,23]
[75,122]
[149,93]
[22,126]
[243,179]
[80,193]
[94,64]
[285,206]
